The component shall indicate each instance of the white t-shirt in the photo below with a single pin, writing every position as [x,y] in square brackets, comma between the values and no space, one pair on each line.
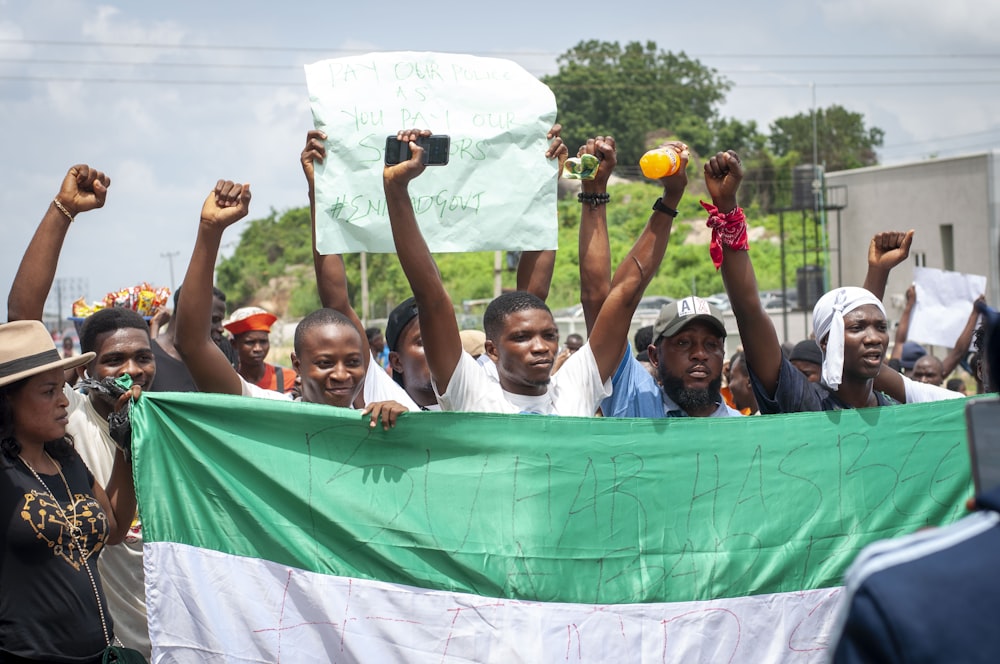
[379,386]
[120,565]
[575,390]
[917,392]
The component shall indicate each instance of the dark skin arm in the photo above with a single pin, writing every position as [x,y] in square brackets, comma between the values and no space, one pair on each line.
[118,499]
[226,204]
[964,340]
[886,250]
[534,270]
[903,329]
[438,326]
[723,174]
[610,333]
[594,246]
[331,275]
[83,189]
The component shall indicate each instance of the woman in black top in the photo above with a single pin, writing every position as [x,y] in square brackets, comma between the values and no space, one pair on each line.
[54,519]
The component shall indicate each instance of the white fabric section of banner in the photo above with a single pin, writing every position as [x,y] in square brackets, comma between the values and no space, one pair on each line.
[206,606]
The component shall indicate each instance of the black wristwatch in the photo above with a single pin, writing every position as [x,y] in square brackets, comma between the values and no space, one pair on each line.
[660,206]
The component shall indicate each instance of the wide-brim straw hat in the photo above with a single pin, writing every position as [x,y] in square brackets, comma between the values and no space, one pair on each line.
[27,349]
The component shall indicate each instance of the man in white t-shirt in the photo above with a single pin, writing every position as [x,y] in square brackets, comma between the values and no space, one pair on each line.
[329,350]
[521,334]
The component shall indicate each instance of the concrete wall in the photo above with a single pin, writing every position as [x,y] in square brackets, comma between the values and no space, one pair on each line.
[923,196]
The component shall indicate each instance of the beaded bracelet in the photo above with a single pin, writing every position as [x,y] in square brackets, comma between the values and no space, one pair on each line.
[594,199]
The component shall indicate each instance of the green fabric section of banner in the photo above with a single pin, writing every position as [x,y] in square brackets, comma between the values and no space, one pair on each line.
[547,508]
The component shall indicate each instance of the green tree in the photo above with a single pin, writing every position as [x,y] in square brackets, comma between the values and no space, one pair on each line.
[842,139]
[635,93]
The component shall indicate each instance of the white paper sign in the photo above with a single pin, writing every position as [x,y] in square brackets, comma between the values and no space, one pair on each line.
[943,305]
[498,190]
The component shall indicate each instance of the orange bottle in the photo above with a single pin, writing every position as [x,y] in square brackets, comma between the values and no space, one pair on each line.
[660,162]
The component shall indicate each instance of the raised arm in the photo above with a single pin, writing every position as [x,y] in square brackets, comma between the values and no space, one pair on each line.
[961,348]
[83,189]
[886,250]
[331,275]
[594,246]
[534,269]
[226,204]
[723,174]
[610,333]
[903,327]
[438,326]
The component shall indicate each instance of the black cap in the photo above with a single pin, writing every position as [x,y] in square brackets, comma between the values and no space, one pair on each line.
[398,320]
[807,351]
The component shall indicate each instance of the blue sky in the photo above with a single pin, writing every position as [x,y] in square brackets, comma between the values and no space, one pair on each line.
[169,97]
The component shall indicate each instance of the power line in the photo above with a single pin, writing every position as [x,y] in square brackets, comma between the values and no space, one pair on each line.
[728,72]
[143,81]
[308,49]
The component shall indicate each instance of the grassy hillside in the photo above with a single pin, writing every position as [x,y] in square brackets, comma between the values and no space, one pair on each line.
[272,266]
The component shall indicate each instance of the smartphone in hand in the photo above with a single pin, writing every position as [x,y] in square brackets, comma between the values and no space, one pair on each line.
[436,150]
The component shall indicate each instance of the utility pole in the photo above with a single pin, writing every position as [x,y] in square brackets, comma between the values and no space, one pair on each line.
[169,255]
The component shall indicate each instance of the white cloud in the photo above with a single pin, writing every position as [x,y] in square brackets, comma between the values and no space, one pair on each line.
[937,25]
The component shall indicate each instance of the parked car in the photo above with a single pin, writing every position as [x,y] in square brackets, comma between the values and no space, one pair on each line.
[774,300]
[720,301]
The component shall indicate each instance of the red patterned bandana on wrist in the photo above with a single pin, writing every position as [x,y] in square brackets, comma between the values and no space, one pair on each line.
[728,230]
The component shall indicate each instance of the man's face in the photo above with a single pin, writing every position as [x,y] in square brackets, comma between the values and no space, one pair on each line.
[739,385]
[928,369]
[218,315]
[689,365]
[377,344]
[574,343]
[330,365]
[252,348]
[122,351]
[409,360]
[525,351]
[813,372]
[866,338]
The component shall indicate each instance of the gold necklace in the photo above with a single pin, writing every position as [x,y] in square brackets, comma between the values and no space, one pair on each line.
[74,532]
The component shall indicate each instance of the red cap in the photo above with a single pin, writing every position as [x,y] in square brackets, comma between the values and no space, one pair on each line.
[250,319]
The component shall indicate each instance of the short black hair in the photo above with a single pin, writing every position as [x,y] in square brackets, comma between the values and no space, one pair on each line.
[643,338]
[109,320]
[372,332]
[215,293]
[954,384]
[505,305]
[738,356]
[319,318]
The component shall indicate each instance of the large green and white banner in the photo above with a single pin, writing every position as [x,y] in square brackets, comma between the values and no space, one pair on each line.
[289,532]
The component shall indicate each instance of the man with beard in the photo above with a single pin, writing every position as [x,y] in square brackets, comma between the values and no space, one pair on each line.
[687,352]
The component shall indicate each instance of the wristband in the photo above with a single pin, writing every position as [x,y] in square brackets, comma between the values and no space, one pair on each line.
[594,199]
[728,230]
[660,206]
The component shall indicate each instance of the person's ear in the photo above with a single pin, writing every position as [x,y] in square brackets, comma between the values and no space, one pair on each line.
[653,353]
[395,362]
[82,371]
[295,362]
[491,350]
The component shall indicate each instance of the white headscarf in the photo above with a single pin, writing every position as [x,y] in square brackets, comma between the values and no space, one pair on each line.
[828,318]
